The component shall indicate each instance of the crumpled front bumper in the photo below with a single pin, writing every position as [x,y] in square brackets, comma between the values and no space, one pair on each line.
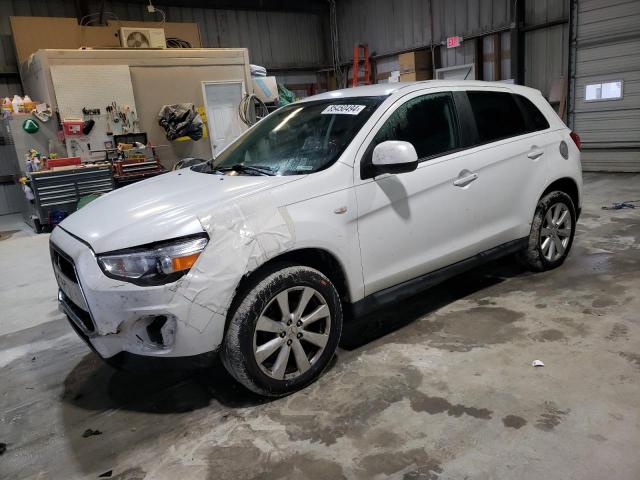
[115,316]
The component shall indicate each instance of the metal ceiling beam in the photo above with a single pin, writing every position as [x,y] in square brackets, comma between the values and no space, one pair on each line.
[307,6]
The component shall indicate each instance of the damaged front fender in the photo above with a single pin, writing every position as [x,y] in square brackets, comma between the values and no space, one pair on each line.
[243,236]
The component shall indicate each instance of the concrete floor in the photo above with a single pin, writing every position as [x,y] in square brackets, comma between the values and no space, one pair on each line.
[439,388]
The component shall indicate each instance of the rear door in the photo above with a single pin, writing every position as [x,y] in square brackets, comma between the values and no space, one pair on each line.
[509,158]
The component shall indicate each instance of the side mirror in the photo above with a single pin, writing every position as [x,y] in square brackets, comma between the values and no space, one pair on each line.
[394,156]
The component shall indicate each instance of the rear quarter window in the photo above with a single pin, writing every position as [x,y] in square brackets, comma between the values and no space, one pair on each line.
[497,116]
[535,118]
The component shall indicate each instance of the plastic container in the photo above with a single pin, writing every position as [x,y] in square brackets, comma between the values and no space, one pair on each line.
[18,104]
[6,105]
[72,128]
[28,104]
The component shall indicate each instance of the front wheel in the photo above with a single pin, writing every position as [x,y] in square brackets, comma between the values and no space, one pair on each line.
[284,332]
[552,232]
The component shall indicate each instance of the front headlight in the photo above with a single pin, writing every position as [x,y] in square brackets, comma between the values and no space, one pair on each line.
[157,264]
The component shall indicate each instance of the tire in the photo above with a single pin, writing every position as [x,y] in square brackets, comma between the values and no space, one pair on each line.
[263,348]
[546,252]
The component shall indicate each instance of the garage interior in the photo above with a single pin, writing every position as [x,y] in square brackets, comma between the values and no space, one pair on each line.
[439,387]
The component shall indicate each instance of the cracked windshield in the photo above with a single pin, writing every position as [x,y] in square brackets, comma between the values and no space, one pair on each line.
[298,139]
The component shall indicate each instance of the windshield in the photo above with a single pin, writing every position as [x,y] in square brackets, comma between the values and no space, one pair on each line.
[297,139]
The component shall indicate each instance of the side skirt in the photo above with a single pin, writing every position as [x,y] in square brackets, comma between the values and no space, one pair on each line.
[409,288]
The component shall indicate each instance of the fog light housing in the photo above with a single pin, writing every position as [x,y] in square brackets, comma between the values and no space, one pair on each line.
[156,332]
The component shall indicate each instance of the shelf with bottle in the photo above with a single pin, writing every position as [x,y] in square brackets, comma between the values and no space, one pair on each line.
[18,105]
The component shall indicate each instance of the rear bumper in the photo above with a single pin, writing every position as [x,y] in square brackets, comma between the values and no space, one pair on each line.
[116,317]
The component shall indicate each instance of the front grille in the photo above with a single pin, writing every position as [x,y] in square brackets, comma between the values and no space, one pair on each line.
[70,291]
[65,265]
[77,313]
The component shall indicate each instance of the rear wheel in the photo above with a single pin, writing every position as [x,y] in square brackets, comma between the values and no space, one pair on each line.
[552,232]
[284,332]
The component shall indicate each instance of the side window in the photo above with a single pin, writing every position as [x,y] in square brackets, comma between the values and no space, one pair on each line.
[427,122]
[537,120]
[497,116]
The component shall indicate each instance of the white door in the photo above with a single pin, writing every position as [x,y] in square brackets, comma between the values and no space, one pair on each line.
[510,163]
[222,100]
[416,222]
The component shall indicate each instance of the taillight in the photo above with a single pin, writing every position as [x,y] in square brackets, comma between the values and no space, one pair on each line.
[576,139]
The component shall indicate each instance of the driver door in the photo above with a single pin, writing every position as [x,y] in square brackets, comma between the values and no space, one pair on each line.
[417,222]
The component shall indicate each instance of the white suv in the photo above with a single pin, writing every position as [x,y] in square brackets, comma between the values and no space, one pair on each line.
[328,208]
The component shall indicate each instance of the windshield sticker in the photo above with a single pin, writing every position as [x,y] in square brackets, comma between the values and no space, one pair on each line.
[343,110]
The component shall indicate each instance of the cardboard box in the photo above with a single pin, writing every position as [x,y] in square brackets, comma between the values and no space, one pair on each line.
[414,61]
[416,76]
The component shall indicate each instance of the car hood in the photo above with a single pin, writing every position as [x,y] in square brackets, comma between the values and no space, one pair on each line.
[161,208]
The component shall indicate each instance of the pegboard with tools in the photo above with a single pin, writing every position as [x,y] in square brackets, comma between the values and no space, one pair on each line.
[94,104]
[121,119]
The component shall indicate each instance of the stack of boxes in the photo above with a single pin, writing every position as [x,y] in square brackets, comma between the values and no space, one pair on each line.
[415,66]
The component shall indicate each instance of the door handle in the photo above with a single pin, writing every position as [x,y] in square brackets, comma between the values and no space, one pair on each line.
[535,154]
[465,178]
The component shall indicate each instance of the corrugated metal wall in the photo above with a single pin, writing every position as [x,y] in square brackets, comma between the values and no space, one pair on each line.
[547,49]
[275,39]
[608,49]
[467,18]
[391,26]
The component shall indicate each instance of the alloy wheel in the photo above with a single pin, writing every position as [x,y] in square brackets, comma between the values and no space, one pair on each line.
[291,332]
[555,233]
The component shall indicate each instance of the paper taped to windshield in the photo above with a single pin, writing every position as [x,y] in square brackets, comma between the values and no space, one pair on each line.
[343,109]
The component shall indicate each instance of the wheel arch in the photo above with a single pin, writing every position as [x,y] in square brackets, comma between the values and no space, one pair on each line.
[317,258]
[567,185]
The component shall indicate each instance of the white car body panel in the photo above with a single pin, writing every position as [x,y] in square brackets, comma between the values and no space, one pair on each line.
[160,208]
[381,231]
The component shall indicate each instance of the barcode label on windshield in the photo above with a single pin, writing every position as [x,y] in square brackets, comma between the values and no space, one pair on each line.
[343,110]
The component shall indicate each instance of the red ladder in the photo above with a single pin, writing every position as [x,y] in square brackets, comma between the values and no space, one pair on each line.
[366,80]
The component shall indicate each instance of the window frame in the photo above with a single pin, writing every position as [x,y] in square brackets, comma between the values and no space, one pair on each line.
[366,171]
[602,82]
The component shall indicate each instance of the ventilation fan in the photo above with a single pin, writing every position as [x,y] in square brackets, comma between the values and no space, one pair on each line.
[137,40]
[142,38]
